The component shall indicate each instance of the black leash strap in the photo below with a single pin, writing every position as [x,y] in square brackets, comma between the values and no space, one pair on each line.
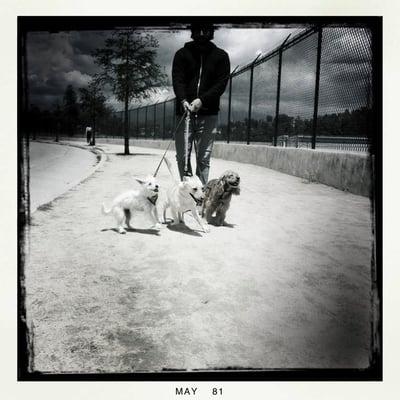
[169,144]
[194,198]
[153,200]
[186,142]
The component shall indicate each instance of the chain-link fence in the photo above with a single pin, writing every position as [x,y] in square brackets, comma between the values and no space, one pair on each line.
[314,90]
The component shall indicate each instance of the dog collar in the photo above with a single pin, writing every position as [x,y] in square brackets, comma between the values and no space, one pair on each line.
[153,199]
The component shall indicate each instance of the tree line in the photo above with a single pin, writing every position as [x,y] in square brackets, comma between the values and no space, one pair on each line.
[69,117]
[127,68]
[354,123]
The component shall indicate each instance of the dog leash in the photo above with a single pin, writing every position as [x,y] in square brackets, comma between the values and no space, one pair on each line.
[188,122]
[169,144]
[186,142]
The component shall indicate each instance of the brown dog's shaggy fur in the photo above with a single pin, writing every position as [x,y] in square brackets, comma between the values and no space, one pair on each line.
[218,193]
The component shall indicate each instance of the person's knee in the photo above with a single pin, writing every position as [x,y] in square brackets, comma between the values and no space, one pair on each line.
[180,158]
[204,160]
[204,163]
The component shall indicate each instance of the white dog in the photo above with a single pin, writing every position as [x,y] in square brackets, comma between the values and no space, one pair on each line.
[184,196]
[143,199]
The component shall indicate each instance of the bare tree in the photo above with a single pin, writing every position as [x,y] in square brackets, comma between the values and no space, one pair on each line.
[128,65]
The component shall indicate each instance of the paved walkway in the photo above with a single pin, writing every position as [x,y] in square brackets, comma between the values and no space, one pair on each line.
[288,286]
[54,169]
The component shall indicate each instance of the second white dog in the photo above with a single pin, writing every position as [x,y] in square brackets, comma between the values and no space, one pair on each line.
[182,197]
[143,200]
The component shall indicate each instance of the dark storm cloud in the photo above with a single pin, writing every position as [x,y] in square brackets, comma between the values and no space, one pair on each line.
[86,42]
[56,60]
[169,43]
[59,59]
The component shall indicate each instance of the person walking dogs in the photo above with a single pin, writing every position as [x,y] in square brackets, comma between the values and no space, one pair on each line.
[200,73]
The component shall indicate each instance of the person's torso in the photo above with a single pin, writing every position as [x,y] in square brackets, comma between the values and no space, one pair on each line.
[201,69]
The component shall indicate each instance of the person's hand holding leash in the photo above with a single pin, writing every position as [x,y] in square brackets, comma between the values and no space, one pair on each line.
[186,106]
[195,105]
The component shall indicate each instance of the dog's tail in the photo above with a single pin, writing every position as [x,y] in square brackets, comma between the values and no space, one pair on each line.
[104,210]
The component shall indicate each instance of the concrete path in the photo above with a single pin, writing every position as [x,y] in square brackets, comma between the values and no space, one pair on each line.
[54,169]
[288,286]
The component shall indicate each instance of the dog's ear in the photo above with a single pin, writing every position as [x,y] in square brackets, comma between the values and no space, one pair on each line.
[224,176]
[186,185]
[220,187]
[185,178]
[140,181]
[198,180]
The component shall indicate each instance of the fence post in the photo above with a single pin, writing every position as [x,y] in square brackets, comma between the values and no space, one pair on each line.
[129,123]
[163,129]
[316,94]
[251,98]
[123,124]
[154,124]
[228,128]
[278,97]
[137,123]
[145,122]
[278,90]
[250,101]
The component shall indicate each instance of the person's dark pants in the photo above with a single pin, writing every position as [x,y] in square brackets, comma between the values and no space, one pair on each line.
[88,137]
[203,129]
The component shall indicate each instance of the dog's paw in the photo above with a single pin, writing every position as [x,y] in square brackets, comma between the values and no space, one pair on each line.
[121,230]
[206,229]
[156,227]
[218,221]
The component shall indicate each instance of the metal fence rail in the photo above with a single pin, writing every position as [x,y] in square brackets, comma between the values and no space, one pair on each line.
[314,90]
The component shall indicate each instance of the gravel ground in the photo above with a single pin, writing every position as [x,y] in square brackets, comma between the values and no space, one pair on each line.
[286,286]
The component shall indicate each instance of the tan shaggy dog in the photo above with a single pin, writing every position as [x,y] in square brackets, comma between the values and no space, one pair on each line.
[218,194]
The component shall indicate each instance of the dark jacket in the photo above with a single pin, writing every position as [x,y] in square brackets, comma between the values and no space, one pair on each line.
[200,72]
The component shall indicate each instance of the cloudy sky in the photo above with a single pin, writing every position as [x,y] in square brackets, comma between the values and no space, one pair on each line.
[59,59]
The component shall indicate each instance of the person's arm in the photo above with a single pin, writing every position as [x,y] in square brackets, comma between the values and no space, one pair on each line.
[178,77]
[218,88]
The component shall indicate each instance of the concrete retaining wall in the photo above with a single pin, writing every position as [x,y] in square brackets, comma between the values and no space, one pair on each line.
[345,171]
[342,170]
